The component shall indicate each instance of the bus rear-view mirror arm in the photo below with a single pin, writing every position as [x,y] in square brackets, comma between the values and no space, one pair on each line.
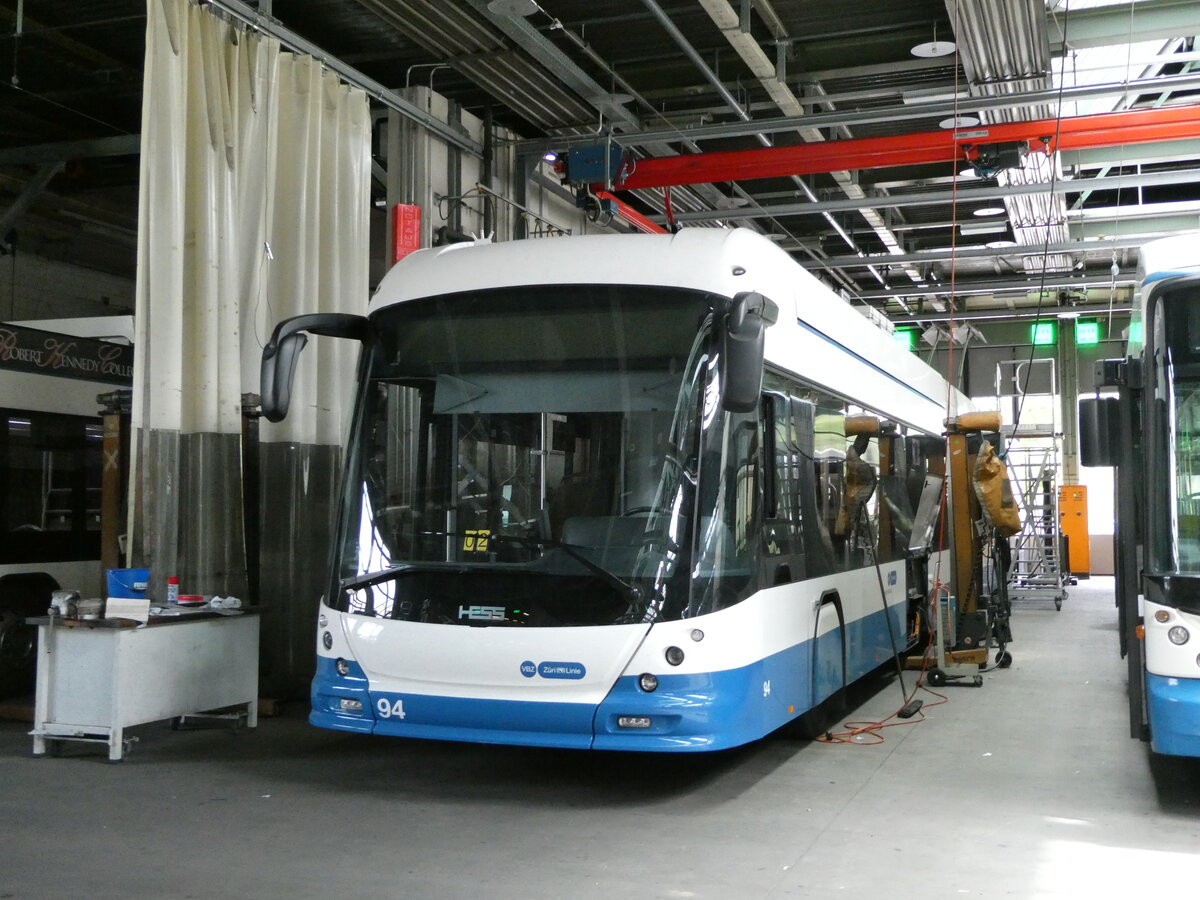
[283,349]
[742,333]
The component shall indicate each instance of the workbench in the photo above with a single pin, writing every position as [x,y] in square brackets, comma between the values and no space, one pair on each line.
[97,678]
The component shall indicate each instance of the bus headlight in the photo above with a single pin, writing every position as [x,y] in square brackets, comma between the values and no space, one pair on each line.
[648,683]
[1178,635]
[343,667]
[327,640]
[674,656]
[1162,616]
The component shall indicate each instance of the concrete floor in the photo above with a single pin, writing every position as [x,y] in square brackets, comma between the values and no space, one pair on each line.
[1028,787]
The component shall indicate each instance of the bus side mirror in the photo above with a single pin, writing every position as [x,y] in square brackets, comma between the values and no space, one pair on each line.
[742,336]
[1099,431]
[283,350]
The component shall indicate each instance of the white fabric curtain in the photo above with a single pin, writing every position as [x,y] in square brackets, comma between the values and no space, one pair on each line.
[254,207]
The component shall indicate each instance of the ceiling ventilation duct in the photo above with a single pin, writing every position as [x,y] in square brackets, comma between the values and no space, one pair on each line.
[1005,49]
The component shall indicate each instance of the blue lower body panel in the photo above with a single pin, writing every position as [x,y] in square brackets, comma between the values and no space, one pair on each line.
[1174,715]
[688,712]
[444,718]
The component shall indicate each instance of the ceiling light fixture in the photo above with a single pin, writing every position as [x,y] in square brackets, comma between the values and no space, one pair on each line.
[983,227]
[512,7]
[614,99]
[989,211]
[935,48]
[1000,245]
[932,95]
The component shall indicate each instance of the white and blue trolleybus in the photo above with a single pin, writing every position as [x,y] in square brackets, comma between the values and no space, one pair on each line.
[1151,433]
[644,492]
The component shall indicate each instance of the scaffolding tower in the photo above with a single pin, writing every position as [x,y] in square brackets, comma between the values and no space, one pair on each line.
[1032,456]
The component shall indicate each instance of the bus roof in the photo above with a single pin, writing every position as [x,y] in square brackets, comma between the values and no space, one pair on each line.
[819,336]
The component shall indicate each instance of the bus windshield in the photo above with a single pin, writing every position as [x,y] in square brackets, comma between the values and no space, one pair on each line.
[525,456]
[1175,437]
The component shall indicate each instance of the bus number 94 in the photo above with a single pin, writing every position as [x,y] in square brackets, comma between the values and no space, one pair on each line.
[390,709]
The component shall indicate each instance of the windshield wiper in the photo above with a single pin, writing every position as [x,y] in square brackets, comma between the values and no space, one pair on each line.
[369,578]
[631,591]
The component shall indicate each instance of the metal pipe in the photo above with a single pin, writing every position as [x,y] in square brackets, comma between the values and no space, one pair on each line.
[930,256]
[731,101]
[691,53]
[1035,285]
[1046,312]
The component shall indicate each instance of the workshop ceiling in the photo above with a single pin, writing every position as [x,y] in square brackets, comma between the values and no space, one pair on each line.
[678,77]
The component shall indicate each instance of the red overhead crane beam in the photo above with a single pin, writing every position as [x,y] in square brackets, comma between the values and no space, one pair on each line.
[1139,126]
[631,215]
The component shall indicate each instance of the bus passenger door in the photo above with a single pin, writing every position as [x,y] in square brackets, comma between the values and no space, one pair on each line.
[828,672]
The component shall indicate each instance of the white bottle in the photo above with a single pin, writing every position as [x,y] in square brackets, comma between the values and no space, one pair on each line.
[172,590]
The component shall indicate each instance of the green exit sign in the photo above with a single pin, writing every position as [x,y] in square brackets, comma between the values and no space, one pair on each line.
[905,337]
[1087,333]
[1044,333]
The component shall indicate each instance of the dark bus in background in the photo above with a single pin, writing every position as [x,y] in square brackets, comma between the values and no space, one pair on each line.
[51,463]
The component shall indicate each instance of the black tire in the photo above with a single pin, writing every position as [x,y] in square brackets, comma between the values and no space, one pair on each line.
[935,678]
[1004,659]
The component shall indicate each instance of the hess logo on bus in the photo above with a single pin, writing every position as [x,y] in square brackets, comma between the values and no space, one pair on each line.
[482,613]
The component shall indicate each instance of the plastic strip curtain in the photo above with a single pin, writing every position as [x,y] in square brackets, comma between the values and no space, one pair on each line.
[254,206]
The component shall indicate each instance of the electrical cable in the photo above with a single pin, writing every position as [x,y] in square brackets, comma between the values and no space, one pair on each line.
[1050,155]
[1112,289]
[856,732]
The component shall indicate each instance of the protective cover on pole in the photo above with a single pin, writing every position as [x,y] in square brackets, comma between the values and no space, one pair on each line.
[994,491]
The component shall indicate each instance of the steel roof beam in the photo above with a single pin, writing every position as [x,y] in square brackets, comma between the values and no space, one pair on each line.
[1107,26]
[91,148]
[558,64]
[1062,186]
[32,190]
[908,111]
[1145,154]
